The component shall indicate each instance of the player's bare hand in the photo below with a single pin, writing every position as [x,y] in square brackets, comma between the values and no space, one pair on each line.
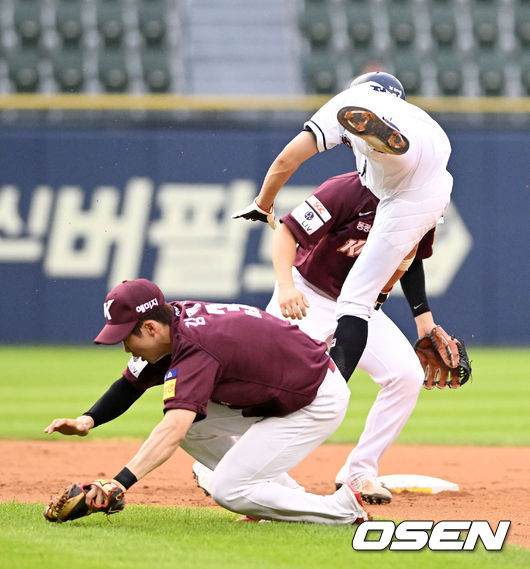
[78,427]
[293,303]
[254,212]
[96,496]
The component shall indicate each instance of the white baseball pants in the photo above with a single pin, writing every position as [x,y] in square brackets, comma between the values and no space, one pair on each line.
[250,473]
[390,361]
[401,221]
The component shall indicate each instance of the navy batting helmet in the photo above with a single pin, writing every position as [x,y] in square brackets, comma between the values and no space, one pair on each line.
[387,81]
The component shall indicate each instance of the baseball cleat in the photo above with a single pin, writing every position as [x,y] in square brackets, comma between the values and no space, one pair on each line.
[202,475]
[378,133]
[371,490]
[362,515]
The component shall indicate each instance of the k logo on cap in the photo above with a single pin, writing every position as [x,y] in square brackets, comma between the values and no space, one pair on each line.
[129,301]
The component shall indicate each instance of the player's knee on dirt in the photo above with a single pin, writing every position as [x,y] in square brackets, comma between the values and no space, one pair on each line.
[225,491]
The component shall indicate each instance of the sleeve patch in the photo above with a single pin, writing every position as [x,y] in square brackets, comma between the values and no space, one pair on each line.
[170,374]
[319,208]
[169,388]
[307,218]
[136,366]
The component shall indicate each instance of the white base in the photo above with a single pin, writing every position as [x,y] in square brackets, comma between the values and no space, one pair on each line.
[416,483]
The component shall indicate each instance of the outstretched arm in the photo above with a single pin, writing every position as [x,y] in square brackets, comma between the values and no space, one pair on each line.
[301,147]
[159,446]
[115,401]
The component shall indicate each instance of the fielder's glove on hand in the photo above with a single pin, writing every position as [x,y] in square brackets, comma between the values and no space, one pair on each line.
[444,359]
[71,503]
[256,213]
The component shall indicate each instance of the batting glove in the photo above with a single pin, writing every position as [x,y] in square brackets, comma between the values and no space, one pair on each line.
[254,212]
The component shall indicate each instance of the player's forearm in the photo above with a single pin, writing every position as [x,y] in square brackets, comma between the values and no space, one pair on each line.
[162,442]
[413,285]
[115,401]
[297,151]
[277,175]
[283,255]
[424,323]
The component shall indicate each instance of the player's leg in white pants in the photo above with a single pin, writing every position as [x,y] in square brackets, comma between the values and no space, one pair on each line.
[390,361]
[244,479]
[320,322]
[400,222]
[210,439]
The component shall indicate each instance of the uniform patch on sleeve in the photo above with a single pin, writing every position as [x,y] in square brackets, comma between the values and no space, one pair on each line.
[136,366]
[311,215]
[169,388]
[307,218]
[319,208]
[170,382]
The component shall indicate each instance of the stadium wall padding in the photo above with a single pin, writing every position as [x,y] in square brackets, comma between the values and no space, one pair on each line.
[83,208]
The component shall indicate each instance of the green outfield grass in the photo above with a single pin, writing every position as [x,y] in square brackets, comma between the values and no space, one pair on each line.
[143,537]
[39,384]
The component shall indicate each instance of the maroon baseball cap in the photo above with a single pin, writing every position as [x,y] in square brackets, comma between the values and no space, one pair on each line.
[124,305]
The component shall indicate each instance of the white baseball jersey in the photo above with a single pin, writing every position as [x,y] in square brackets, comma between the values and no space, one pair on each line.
[413,188]
[386,174]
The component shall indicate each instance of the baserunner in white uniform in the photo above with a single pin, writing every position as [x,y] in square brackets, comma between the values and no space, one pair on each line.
[314,248]
[401,155]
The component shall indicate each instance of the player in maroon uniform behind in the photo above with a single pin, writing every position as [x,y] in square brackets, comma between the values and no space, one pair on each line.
[314,250]
[229,371]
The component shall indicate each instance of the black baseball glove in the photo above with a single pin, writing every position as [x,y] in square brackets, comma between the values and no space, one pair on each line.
[444,359]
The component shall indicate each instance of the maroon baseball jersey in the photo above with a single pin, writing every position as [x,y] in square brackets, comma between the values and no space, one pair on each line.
[238,356]
[331,227]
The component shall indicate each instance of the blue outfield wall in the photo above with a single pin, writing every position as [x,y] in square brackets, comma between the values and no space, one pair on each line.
[81,209]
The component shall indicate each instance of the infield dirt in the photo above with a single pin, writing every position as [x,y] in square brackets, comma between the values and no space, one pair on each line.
[493,481]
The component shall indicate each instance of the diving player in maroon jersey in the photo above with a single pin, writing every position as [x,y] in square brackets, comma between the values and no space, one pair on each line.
[228,370]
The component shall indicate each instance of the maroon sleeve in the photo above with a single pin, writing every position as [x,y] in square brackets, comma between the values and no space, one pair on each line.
[425,245]
[190,381]
[342,198]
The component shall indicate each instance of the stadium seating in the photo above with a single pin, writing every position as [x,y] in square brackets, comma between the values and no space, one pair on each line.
[449,72]
[152,22]
[68,22]
[112,70]
[315,24]
[27,22]
[68,69]
[443,27]
[24,70]
[436,47]
[111,25]
[155,70]
[401,23]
